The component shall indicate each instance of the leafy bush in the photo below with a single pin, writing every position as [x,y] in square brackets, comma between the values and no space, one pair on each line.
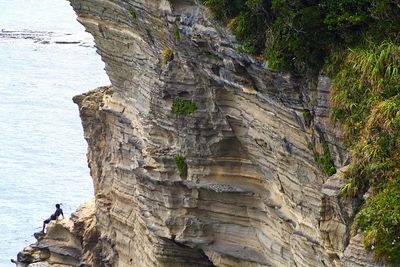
[183,107]
[181,166]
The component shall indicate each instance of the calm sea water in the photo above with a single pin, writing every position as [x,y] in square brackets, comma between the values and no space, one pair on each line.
[45,59]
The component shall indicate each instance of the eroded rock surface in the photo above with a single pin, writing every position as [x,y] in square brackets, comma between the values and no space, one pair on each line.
[252,194]
[67,243]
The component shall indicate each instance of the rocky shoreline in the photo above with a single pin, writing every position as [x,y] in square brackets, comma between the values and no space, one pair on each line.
[47,38]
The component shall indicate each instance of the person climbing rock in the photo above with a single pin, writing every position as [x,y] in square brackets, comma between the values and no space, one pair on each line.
[54,216]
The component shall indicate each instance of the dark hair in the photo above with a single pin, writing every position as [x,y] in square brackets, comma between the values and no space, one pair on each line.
[57,206]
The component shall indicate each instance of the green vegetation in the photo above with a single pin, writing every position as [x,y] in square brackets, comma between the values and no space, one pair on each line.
[167,55]
[181,166]
[176,34]
[357,43]
[132,11]
[183,107]
[366,100]
[380,220]
[325,161]
[308,117]
[298,35]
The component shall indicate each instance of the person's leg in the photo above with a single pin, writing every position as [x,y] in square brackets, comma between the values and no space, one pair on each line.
[45,222]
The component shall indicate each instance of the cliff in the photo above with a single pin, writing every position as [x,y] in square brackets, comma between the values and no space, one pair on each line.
[241,181]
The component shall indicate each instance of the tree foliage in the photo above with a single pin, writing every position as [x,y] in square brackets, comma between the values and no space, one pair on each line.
[298,35]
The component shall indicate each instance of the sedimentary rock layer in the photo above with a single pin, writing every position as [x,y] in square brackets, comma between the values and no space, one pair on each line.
[252,194]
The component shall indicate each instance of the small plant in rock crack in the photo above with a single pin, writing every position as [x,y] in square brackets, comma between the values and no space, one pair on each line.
[325,161]
[308,117]
[183,107]
[181,166]
[167,55]
[175,32]
[132,11]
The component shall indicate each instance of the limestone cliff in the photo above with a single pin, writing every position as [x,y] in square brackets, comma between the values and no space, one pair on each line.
[252,193]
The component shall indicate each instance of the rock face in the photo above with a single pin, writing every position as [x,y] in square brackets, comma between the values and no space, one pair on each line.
[252,194]
[67,243]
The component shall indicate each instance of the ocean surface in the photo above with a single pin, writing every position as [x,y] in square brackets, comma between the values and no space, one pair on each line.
[45,59]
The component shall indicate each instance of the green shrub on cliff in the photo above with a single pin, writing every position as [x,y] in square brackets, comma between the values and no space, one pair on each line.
[380,221]
[366,100]
[181,166]
[325,161]
[308,117]
[183,107]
